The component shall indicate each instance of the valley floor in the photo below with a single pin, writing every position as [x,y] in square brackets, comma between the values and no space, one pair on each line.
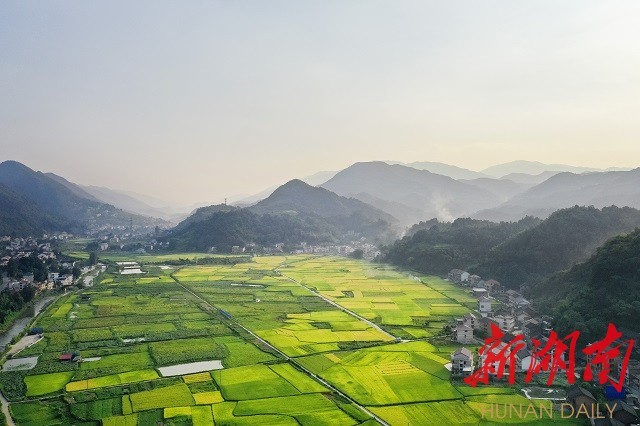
[271,340]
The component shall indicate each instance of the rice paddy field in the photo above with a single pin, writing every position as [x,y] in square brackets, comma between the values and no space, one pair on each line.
[296,340]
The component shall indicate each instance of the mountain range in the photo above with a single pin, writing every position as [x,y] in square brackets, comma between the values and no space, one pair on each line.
[39,202]
[621,188]
[428,194]
[397,194]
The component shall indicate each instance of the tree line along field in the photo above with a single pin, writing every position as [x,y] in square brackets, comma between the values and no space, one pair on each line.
[128,329]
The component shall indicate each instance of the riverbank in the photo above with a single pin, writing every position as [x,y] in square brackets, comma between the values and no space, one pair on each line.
[21,323]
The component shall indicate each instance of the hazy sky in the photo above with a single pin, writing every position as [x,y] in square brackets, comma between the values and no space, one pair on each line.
[191,101]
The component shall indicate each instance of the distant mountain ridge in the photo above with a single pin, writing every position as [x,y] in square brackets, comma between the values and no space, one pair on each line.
[620,188]
[431,194]
[536,167]
[298,196]
[62,199]
[452,171]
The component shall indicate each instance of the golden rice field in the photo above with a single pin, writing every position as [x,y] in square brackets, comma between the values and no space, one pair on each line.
[326,328]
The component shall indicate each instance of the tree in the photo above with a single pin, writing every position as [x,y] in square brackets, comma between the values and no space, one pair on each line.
[357,254]
[76,272]
[27,293]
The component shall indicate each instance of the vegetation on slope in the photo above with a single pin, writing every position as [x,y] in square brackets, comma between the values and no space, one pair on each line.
[294,213]
[22,217]
[567,237]
[435,247]
[514,253]
[601,290]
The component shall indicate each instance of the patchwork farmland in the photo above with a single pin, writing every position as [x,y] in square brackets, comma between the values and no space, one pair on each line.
[269,340]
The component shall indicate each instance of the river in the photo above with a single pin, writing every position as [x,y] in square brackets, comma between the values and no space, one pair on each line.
[21,323]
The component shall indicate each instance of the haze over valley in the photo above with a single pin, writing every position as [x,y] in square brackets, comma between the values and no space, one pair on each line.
[363,213]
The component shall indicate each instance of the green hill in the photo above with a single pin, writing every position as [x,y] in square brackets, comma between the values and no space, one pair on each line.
[22,217]
[435,247]
[295,212]
[515,253]
[604,289]
[51,195]
[565,238]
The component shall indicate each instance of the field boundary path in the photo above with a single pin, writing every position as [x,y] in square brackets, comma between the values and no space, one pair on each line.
[342,308]
[283,355]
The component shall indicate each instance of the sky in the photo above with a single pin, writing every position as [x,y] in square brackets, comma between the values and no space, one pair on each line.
[195,101]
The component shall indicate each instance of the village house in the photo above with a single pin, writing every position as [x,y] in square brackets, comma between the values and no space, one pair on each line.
[479,292]
[471,320]
[581,399]
[484,306]
[65,280]
[521,302]
[20,285]
[524,359]
[455,276]
[474,280]
[533,329]
[512,295]
[505,322]
[464,334]
[632,373]
[69,357]
[462,362]
[485,325]
[492,286]
[501,348]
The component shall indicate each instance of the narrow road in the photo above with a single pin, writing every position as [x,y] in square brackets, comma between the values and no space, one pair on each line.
[5,410]
[342,308]
[284,356]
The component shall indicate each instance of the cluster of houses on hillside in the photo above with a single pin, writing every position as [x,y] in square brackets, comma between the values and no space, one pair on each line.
[16,250]
[514,316]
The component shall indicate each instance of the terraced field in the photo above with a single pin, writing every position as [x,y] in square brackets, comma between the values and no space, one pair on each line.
[284,353]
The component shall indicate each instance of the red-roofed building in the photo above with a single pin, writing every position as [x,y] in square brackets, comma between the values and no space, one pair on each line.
[66,357]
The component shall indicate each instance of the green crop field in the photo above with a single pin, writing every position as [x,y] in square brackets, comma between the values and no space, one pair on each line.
[286,335]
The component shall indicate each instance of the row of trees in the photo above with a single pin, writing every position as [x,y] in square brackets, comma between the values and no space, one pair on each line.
[12,301]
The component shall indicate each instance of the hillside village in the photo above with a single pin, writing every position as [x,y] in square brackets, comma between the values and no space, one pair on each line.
[513,315]
[35,264]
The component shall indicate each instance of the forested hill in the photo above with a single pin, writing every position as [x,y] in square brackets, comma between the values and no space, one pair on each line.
[518,253]
[435,247]
[294,213]
[565,238]
[604,289]
[50,195]
[20,216]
